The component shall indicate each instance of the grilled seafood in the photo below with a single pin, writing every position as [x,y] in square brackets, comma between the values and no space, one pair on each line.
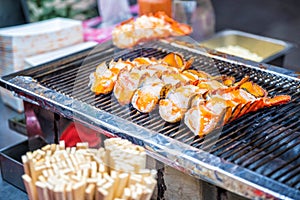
[142,86]
[177,61]
[139,61]
[203,101]
[174,106]
[147,27]
[127,83]
[146,97]
[102,81]
[129,80]
[224,106]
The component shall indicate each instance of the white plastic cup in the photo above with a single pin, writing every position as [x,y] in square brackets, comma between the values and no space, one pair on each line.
[113,11]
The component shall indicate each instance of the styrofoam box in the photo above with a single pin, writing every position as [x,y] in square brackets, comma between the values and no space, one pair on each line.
[36,38]
[16,103]
[19,42]
[10,100]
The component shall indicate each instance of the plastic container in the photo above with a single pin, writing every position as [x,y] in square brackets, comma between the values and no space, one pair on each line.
[152,6]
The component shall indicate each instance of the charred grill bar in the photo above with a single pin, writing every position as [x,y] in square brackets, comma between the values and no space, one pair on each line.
[256,155]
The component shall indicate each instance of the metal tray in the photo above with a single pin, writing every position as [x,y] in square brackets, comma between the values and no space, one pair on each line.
[11,163]
[271,50]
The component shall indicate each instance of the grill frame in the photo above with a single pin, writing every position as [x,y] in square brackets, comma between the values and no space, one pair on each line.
[189,159]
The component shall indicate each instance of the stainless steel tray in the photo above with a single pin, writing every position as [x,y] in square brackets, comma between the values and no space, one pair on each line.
[271,50]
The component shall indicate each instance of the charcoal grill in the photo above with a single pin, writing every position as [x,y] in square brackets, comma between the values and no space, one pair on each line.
[256,156]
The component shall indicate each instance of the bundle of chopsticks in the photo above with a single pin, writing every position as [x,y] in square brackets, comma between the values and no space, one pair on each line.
[117,171]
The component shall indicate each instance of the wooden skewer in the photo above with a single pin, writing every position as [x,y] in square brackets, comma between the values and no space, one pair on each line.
[78,190]
[100,176]
[92,180]
[147,193]
[109,188]
[150,182]
[123,180]
[62,145]
[101,194]
[73,150]
[108,177]
[134,179]
[83,174]
[102,169]
[82,145]
[126,194]
[39,154]
[75,178]
[26,165]
[53,148]
[68,190]
[59,192]
[101,182]
[145,172]
[115,176]
[42,191]
[90,192]
[69,163]
[31,191]
[50,191]
[49,152]
[42,178]
[93,169]
[46,147]
[86,172]
[68,150]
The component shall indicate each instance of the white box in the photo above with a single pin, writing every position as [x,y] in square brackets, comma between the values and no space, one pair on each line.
[19,42]
[10,100]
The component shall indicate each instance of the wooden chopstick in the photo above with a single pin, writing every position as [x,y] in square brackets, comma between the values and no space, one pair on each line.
[117,171]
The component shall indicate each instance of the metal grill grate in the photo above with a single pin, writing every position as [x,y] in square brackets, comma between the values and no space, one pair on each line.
[266,142]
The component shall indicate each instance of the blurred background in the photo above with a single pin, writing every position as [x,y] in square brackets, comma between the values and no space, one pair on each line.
[276,19]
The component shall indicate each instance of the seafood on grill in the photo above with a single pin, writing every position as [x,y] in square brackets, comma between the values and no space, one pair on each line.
[147,96]
[151,83]
[102,81]
[134,81]
[130,81]
[223,106]
[176,103]
[147,27]
[204,102]
[127,83]
[154,84]
[177,61]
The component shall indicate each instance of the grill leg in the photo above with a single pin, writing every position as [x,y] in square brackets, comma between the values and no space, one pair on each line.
[176,185]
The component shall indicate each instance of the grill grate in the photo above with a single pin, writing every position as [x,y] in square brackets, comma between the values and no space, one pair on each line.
[266,142]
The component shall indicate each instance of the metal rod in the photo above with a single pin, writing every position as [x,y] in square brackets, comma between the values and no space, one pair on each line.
[277,154]
[262,141]
[263,126]
[261,137]
[271,173]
